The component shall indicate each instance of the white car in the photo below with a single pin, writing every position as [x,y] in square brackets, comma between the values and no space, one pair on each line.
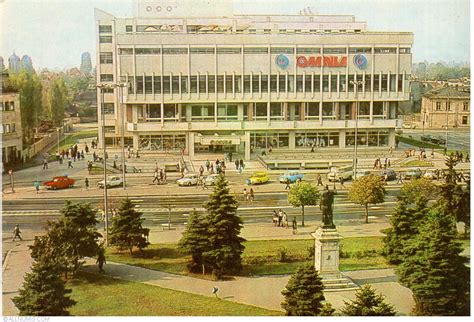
[190,179]
[112,181]
[430,174]
[210,180]
[337,173]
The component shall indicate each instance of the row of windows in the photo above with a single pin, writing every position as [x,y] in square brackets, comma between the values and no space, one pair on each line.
[257,83]
[442,106]
[258,50]
[7,106]
[106,58]
[8,128]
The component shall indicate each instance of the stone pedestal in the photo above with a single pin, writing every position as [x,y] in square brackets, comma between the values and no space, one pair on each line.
[326,260]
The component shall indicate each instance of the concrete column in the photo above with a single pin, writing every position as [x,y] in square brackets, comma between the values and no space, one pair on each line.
[291,138]
[391,137]
[285,111]
[188,113]
[342,138]
[292,112]
[250,111]
[191,145]
[247,146]
[135,141]
[240,112]
[302,111]
[180,111]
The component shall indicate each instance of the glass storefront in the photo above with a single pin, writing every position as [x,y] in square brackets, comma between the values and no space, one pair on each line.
[265,140]
[368,138]
[170,142]
[320,139]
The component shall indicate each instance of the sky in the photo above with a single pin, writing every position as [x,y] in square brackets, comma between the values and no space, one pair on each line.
[55,32]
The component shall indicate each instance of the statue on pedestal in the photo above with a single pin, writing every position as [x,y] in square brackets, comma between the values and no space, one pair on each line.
[327,200]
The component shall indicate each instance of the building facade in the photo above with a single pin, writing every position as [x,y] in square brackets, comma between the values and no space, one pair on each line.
[12,142]
[198,81]
[448,106]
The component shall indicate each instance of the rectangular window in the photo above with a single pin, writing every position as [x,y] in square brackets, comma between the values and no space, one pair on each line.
[106,58]
[157,84]
[342,83]
[438,106]
[202,84]
[317,83]
[175,51]
[184,84]
[325,83]
[125,51]
[264,83]
[299,83]
[148,84]
[393,82]
[194,86]
[175,87]
[405,50]
[360,50]
[103,29]
[291,83]
[267,31]
[465,106]
[166,84]
[276,111]
[109,129]
[229,50]
[307,83]
[140,85]
[334,51]
[400,82]
[364,109]
[212,84]
[308,50]
[170,112]
[204,112]
[384,82]
[105,39]
[282,83]
[109,108]
[147,51]
[385,50]
[260,111]
[129,28]
[108,90]
[202,50]
[378,108]
[328,110]
[333,83]
[106,77]
[255,50]
[465,120]
[228,83]
[281,50]
[220,84]
[153,112]
[273,83]
[311,110]
[13,129]
[255,84]
[238,84]
[247,83]
[226,112]
[376,83]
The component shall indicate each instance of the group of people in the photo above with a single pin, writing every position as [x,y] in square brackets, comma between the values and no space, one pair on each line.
[378,163]
[219,166]
[280,219]
[159,176]
[459,156]
[239,165]
[249,195]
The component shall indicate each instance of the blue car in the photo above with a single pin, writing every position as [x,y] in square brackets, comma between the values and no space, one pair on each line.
[292,177]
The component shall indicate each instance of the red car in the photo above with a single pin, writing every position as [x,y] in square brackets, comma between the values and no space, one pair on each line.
[59,183]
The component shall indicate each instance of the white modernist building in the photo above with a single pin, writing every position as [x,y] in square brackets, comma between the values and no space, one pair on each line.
[200,78]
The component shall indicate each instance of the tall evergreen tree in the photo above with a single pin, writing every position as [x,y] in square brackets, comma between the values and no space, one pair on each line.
[304,294]
[44,292]
[368,303]
[224,255]
[73,237]
[195,241]
[127,230]
[434,269]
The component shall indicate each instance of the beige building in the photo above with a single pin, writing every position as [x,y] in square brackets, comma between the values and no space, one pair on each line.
[12,142]
[446,106]
[203,79]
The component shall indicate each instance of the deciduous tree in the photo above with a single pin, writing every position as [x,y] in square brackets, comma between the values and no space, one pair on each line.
[303,194]
[368,303]
[367,190]
[304,294]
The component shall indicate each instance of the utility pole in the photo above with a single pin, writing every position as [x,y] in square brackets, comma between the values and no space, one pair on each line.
[354,164]
[122,112]
[106,215]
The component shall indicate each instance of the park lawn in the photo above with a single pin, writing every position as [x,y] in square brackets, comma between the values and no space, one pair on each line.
[69,140]
[417,163]
[99,295]
[262,257]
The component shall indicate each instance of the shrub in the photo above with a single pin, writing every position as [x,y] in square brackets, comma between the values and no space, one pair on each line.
[282,254]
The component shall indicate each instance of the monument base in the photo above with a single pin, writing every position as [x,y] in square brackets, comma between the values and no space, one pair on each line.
[326,260]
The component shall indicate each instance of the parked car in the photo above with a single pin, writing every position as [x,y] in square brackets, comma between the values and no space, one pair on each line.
[431,174]
[336,173]
[440,140]
[190,179]
[60,182]
[210,180]
[291,176]
[258,178]
[427,138]
[389,174]
[413,174]
[112,181]
[362,173]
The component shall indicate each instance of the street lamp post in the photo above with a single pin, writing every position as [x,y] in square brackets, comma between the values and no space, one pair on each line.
[106,215]
[58,136]
[121,86]
[357,84]
[447,123]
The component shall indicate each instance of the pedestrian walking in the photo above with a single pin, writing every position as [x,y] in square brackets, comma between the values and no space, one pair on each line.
[45,163]
[274,218]
[390,151]
[155,177]
[295,226]
[37,186]
[101,260]
[236,164]
[280,217]
[69,164]
[287,186]
[61,159]
[86,181]
[320,180]
[467,156]
[246,195]
[201,171]
[162,175]
[341,181]
[241,163]
[252,195]
[89,166]
[400,178]
[214,291]
[86,148]
[285,220]
[208,165]
[16,232]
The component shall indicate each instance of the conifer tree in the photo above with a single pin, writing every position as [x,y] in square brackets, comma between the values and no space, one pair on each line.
[195,241]
[127,230]
[434,269]
[368,303]
[44,292]
[304,294]
[224,254]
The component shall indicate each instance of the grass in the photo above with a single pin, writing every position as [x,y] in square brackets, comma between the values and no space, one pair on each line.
[418,143]
[69,140]
[262,257]
[417,163]
[99,295]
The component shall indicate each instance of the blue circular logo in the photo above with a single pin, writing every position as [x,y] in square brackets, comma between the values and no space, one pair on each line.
[282,61]
[360,61]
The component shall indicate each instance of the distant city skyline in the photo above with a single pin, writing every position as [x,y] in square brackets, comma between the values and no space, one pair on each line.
[56,41]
